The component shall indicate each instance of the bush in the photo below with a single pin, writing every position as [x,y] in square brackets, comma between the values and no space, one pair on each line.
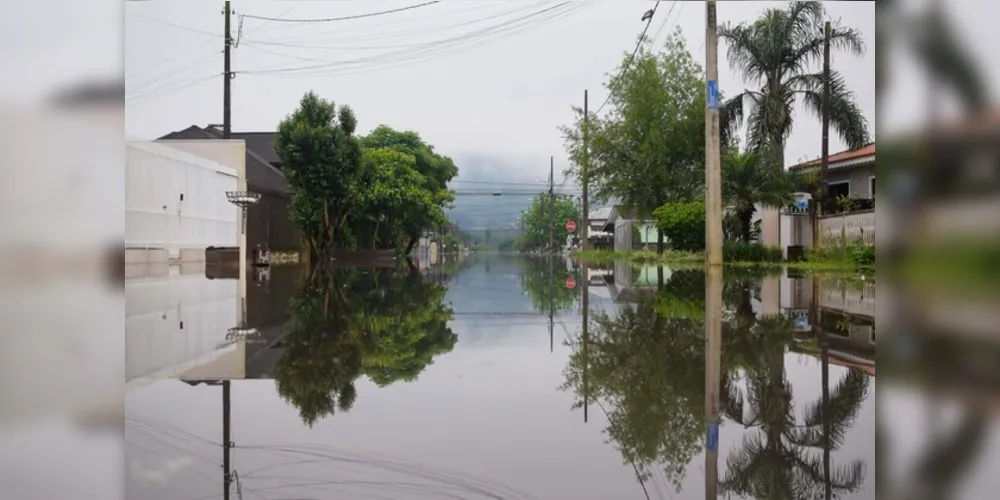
[862,254]
[859,253]
[743,252]
[683,224]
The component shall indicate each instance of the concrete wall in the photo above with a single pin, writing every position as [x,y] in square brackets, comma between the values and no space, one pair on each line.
[175,204]
[852,227]
[173,320]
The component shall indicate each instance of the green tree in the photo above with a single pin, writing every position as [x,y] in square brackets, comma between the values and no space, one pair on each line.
[752,178]
[775,54]
[391,191]
[538,221]
[436,171]
[321,159]
[649,149]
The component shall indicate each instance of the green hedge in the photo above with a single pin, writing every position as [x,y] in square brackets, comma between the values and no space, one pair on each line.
[683,224]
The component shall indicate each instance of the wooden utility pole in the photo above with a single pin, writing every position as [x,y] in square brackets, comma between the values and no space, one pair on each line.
[227,471]
[713,170]
[585,309]
[227,77]
[552,204]
[585,177]
[713,255]
[825,144]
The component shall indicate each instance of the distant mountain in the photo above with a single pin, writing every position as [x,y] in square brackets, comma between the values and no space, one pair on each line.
[477,208]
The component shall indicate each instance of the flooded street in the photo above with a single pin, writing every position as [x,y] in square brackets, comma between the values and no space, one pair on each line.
[476,379]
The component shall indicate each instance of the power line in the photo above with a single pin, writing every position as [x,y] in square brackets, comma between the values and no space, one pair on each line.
[343,18]
[422,49]
[638,44]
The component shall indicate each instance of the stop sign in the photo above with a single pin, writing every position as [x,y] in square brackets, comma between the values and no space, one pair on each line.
[570,283]
[570,226]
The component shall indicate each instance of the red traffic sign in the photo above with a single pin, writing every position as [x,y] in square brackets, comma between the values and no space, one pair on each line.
[570,283]
[570,226]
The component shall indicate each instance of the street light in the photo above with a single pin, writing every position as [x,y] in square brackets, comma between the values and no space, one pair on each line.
[243,199]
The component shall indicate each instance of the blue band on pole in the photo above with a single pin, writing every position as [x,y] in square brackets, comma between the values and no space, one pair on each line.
[712,443]
[713,94]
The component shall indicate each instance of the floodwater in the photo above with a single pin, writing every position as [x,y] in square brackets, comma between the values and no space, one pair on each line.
[475,379]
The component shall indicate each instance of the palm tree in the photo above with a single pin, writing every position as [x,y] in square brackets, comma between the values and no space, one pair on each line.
[933,39]
[749,179]
[774,54]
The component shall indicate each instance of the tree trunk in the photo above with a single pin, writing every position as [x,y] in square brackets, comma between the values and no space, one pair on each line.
[659,241]
[411,244]
[746,225]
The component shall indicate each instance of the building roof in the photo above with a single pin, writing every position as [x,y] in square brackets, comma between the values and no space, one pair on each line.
[600,214]
[261,173]
[850,154]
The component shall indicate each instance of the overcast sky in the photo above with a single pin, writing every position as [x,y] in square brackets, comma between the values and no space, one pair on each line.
[495,95]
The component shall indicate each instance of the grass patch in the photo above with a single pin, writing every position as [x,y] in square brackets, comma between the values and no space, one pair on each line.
[695,260]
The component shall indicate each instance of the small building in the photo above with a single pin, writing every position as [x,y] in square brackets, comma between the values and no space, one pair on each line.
[850,176]
[268,226]
[622,223]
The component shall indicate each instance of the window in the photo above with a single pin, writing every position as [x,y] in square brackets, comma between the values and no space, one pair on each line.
[871,187]
[837,189]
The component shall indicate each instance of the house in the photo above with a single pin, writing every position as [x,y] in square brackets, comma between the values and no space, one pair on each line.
[622,223]
[268,226]
[850,176]
[599,237]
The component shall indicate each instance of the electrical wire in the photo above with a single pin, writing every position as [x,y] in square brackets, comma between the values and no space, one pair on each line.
[419,49]
[632,57]
[162,92]
[382,35]
[343,18]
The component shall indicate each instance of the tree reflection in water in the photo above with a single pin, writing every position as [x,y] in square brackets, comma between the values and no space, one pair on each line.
[646,369]
[387,324]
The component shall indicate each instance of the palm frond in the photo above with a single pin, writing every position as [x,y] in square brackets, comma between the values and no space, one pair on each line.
[940,52]
[846,116]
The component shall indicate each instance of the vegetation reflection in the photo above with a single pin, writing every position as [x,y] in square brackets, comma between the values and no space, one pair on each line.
[646,371]
[386,324]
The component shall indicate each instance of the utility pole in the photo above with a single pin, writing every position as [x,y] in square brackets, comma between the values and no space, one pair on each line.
[227,471]
[713,170]
[713,243]
[585,307]
[552,204]
[585,177]
[227,77]
[825,144]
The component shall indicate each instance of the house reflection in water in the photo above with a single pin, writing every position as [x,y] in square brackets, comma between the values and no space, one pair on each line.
[844,311]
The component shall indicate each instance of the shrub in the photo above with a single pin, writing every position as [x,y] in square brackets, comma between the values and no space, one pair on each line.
[744,252]
[683,224]
[862,254]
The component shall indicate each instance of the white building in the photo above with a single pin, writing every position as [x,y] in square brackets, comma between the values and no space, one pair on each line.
[175,204]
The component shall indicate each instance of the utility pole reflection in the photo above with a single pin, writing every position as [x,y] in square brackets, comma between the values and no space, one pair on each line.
[713,381]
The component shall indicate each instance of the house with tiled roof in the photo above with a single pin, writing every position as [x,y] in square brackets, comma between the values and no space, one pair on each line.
[850,173]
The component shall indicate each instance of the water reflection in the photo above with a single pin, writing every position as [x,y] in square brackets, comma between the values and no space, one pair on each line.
[645,368]
[484,343]
[387,324]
